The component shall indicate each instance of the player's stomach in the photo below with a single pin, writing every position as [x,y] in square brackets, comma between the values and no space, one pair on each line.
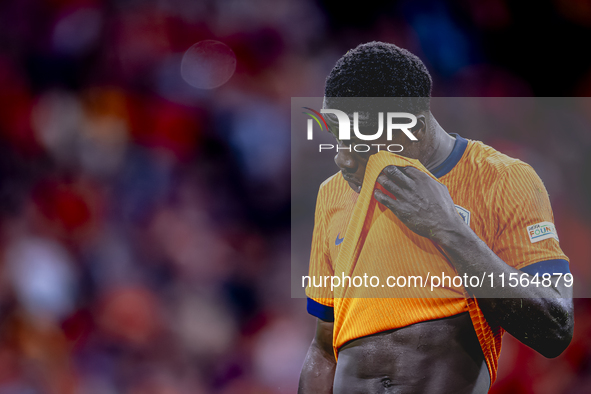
[436,356]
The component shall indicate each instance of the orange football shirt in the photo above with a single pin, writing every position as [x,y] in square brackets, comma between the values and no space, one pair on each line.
[499,197]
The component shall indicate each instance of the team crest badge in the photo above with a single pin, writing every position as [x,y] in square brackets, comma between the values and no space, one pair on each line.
[464,213]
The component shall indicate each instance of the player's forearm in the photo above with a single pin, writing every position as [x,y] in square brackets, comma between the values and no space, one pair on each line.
[545,325]
[318,372]
[539,316]
[471,256]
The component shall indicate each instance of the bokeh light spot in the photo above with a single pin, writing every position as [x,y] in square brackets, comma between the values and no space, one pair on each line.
[208,64]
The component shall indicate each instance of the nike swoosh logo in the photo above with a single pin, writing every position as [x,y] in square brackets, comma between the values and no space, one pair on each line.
[339,241]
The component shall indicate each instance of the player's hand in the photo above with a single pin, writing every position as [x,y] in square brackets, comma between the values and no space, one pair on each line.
[422,204]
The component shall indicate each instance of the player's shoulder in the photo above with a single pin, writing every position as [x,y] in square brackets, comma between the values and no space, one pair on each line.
[332,180]
[334,184]
[334,192]
[484,158]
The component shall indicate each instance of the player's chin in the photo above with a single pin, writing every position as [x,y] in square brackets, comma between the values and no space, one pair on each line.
[355,186]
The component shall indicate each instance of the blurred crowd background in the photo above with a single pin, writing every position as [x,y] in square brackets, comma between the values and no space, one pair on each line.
[145,224]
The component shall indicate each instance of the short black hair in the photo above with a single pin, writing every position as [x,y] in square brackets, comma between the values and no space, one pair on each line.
[379,69]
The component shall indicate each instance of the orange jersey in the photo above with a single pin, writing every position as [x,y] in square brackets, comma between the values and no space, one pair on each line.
[502,200]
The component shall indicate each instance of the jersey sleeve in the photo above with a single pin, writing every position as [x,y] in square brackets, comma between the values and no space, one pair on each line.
[320,297]
[525,236]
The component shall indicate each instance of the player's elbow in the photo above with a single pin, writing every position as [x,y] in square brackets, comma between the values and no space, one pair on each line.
[561,336]
[555,348]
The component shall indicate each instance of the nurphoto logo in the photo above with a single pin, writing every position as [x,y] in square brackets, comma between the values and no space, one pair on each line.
[344,129]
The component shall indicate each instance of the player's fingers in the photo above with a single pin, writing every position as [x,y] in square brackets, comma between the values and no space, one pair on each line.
[397,175]
[415,173]
[389,185]
[384,199]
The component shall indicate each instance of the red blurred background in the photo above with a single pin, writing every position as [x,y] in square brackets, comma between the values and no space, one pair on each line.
[145,224]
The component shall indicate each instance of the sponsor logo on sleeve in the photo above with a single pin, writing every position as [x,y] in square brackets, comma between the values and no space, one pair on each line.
[541,231]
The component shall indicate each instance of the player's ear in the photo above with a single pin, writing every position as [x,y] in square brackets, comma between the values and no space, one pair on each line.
[421,127]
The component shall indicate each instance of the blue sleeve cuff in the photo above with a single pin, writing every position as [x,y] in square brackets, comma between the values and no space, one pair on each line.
[322,312]
[547,267]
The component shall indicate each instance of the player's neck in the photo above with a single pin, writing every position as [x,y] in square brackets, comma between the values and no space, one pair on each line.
[442,146]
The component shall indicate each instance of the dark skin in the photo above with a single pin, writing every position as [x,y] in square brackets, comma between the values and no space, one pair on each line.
[439,356]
